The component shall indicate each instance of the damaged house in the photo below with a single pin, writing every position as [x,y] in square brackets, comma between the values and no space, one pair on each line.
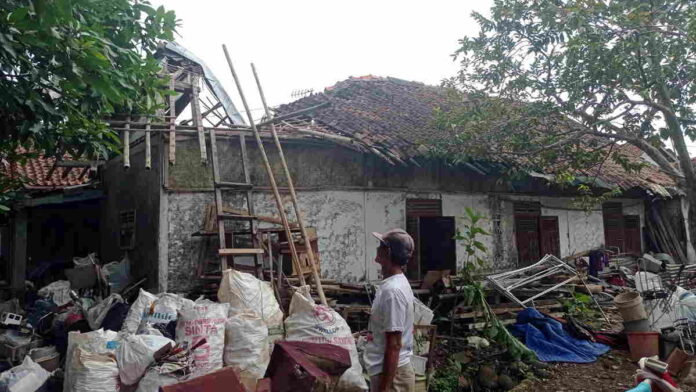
[359,164]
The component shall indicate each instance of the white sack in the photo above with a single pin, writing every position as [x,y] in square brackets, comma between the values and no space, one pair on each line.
[26,377]
[246,347]
[246,293]
[153,380]
[97,342]
[153,309]
[94,372]
[59,291]
[313,323]
[135,354]
[203,319]
[96,314]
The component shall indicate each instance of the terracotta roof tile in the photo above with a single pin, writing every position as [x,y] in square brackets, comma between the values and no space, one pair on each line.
[394,118]
[34,171]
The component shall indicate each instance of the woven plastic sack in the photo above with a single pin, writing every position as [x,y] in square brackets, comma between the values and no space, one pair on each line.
[313,323]
[246,347]
[245,293]
[94,372]
[203,319]
[135,354]
[95,342]
[153,309]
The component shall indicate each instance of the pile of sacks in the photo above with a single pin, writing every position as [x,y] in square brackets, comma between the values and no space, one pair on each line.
[166,339]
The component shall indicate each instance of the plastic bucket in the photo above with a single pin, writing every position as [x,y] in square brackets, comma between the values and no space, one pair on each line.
[643,344]
[630,305]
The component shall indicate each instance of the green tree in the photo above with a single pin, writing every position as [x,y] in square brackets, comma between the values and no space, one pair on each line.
[65,65]
[556,84]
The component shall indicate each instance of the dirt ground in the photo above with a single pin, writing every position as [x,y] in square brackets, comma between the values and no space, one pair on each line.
[613,372]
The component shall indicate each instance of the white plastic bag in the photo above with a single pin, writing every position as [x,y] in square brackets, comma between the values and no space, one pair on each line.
[27,377]
[96,314]
[59,291]
[135,354]
[246,293]
[246,347]
[117,274]
[203,319]
[154,379]
[313,323]
[153,309]
[96,342]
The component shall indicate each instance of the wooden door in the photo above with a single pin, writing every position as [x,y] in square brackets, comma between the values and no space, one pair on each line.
[550,238]
[415,209]
[613,226]
[632,237]
[527,236]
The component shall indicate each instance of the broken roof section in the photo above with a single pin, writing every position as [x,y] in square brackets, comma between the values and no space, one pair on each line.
[35,169]
[394,119]
[172,50]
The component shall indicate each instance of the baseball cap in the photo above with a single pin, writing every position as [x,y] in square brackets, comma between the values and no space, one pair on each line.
[399,242]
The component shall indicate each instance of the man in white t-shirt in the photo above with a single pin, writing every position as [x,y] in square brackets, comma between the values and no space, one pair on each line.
[388,354]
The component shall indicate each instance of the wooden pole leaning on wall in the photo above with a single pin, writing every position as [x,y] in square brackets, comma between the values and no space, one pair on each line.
[293,195]
[126,145]
[148,146]
[172,122]
[269,171]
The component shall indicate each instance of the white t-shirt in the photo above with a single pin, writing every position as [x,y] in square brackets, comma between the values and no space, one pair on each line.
[392,311]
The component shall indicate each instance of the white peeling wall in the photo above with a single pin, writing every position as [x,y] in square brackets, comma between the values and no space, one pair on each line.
[345,219]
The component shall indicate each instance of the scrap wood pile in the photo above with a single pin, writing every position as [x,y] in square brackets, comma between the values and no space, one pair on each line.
[171,342]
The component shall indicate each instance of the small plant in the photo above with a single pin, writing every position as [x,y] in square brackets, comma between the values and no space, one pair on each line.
[579,307]
[446,378]
[469,239]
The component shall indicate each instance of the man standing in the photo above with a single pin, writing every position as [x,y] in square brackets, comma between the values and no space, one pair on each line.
[388,355]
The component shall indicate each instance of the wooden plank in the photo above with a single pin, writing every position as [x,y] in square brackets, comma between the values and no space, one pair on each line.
[148,146]
[172,122]
[126,145]
[239,251]
[198,119]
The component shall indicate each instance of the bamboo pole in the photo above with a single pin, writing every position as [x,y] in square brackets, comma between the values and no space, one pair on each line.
[269,171]
[126,145]
[172,123]
[293,195]
[148,146]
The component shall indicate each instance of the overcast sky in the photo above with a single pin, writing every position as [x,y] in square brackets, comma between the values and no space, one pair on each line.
[303,44]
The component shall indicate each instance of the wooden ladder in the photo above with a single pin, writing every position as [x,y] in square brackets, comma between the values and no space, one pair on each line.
[227,251]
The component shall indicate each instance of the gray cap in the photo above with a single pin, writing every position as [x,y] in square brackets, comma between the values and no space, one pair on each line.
[399,243]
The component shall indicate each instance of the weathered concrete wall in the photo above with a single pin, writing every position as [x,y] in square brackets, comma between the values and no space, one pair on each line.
[347,195]
[345,219]
[134,189]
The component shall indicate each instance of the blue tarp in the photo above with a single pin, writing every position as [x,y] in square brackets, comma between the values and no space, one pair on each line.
[550,342]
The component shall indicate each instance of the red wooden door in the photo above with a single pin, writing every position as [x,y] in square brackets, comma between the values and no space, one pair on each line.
[632,234]
[614,226]
[550,237]
[527,236]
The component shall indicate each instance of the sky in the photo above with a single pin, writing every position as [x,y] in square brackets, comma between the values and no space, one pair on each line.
[305,44]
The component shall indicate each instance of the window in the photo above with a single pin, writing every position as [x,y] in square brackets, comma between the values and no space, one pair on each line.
[621,231]
[126,224]
[536,235]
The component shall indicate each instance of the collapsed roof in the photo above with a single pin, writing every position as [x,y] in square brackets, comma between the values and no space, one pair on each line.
[394,119]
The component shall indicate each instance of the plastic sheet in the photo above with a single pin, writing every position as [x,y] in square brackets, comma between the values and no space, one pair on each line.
[550,342]
[313,323]
[246,347]
[96,314]
[58,291]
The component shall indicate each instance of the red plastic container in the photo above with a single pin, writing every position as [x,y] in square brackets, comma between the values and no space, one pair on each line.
[643,344]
